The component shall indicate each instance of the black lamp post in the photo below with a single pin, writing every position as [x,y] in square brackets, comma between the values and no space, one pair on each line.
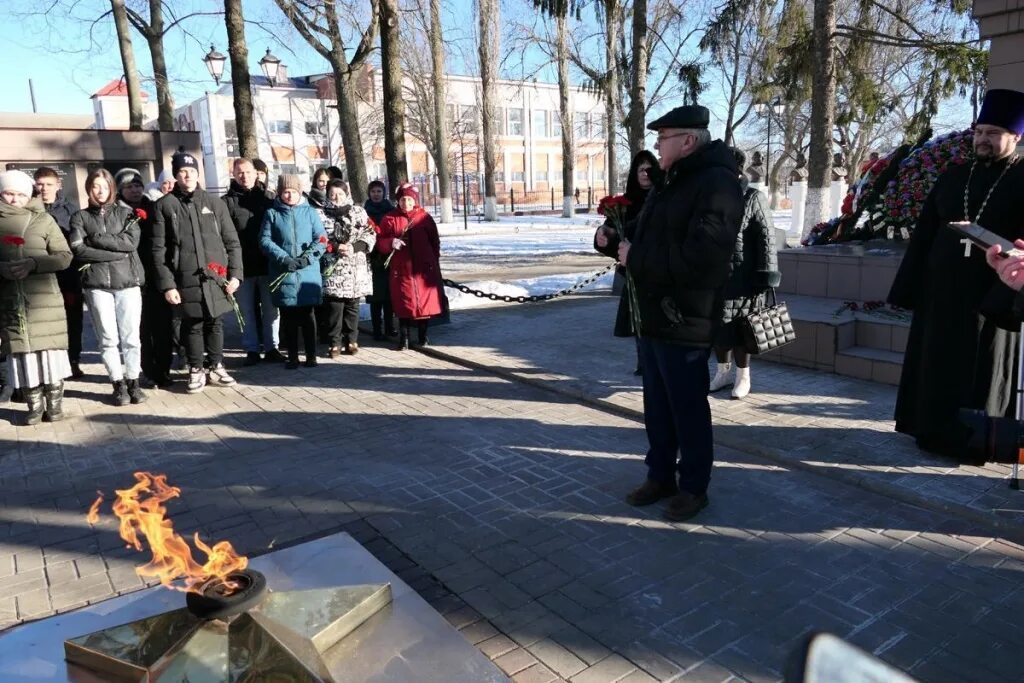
[215,64]
[767,109]
[271,66]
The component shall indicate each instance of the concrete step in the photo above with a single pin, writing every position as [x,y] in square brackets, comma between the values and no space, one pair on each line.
[868,363]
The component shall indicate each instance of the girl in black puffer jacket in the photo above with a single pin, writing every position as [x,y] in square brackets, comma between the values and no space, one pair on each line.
[105,238]
[755,270]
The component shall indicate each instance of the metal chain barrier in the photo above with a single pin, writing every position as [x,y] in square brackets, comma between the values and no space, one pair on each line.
[527,299]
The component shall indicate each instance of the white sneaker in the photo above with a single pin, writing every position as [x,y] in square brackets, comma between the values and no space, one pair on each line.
[196,380]
[742,386]
[219,375]
[723,377]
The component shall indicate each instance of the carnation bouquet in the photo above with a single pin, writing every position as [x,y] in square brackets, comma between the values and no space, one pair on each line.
[614,209]
[219,273]
[20,299]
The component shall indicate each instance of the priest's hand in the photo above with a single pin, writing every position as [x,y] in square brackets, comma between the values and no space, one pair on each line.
[1009,267]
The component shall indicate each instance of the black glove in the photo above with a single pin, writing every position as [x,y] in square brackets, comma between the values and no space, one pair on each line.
[294,264]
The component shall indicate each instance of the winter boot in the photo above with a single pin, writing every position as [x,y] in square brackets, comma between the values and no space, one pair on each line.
[36,405]
[135,392]
[403,337]
[121,397]
[723,377]
[6,392]
[742,386]
[54,395]
[421,334]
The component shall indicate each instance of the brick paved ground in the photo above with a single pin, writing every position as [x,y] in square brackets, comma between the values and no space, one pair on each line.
[500,502]
[826,423]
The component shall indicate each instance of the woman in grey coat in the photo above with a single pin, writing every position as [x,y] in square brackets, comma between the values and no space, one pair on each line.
[755,270]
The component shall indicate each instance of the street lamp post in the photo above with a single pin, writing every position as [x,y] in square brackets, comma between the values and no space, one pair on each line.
[215,64]
[766,109]
[271,65]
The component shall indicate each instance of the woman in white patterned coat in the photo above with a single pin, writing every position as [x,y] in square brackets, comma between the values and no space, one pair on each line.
[346,268]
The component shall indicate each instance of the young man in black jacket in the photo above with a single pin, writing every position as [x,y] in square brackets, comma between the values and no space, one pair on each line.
[679,259]
[192,236]
[48,187]
[247,202]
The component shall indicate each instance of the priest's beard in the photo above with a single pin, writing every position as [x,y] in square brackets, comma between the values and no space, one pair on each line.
[986,153]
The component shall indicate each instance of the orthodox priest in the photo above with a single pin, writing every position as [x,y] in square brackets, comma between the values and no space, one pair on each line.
[961,351]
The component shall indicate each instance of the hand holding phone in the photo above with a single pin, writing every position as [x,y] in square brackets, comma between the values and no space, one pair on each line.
[984,239]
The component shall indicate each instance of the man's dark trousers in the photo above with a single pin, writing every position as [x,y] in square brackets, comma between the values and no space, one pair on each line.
[677,414]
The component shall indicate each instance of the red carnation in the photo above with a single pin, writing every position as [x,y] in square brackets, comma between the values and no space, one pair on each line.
[330,248]
[14,240]
[141,214]
[323,239]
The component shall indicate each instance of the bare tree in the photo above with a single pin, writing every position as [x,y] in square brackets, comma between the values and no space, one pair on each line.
[394,103]
[489,45]
[444,176]
[131,71]
[241,88]
[638,79]
[565,114]
[823,111]
[317,23]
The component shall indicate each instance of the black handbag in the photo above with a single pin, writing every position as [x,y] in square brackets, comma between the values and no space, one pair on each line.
[768,328]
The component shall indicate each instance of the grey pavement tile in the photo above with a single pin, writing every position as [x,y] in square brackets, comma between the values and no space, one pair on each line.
[610,669]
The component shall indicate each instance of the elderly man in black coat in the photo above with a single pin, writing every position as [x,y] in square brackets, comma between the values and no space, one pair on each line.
[193,236]
[679,259]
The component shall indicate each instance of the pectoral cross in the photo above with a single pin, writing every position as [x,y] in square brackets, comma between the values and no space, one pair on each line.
[967,247]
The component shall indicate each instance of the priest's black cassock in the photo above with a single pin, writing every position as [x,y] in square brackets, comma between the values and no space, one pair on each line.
[962,348]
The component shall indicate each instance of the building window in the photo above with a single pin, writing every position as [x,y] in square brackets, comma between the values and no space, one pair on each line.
[597,125]
[316,128]
[540,123]
[556,125]
[515,122]
[469,115]
[582,125]
[288,169]
[581,173]
[518,176]
[231,137]
[599,174]
[279,127]
[540,176]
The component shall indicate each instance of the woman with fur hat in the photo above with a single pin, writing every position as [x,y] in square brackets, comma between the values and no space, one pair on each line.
[33,324]
[409,235]
[293,239]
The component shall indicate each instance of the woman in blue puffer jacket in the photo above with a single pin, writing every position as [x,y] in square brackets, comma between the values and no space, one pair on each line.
[293,239]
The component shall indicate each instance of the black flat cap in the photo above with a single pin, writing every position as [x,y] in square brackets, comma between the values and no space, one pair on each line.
[689,116]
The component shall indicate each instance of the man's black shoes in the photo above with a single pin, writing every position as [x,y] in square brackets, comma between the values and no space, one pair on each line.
[650,492]
[684,506]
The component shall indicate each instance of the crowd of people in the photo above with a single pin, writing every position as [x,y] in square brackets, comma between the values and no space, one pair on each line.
[158,267]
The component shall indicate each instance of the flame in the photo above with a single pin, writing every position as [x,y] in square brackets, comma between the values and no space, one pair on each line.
[94,510]
[172,556]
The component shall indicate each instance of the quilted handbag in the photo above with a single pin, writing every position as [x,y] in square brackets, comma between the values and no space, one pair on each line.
[768,328]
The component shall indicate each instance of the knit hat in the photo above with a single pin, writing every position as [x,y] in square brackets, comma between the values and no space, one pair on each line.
[127,176]
[408,190]
[17,181]
[183,159]
[288,181]
[164,176]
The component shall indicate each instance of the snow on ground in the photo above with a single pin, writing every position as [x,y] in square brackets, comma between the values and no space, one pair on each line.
[530,287]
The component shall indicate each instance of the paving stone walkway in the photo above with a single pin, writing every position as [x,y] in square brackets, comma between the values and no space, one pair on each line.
[501,503]
[826,423]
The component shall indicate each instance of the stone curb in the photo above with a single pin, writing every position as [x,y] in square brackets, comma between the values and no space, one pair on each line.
[1012,530]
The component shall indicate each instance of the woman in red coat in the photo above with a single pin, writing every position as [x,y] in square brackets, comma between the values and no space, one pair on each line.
[408,234]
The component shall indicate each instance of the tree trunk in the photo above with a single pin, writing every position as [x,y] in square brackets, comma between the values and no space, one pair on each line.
[565,113]
[823,106]
[351,138]
[441,134]
[131,71]
[638,90]
[489,45]
[245,122]
[611,92]
[393,101]
[734,95]
[155,40]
